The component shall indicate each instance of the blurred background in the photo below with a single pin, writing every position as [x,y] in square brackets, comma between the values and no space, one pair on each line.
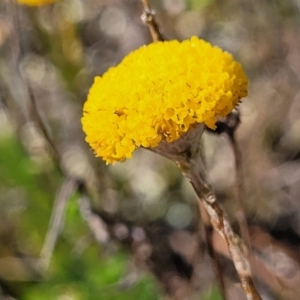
[72,227]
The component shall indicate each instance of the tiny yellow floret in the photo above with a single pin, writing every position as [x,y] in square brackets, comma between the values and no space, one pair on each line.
[36,2]
[160,91]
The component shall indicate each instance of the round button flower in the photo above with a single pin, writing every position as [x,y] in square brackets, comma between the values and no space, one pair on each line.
[159,92]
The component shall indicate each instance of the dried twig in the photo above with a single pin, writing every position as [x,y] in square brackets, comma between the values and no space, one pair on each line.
[20,96]
[264,265]
[240,214]
[148,17]
[68,188]
[96,225]
[187,153]
[194,170]
[228,126]
[208,231]
[36,117]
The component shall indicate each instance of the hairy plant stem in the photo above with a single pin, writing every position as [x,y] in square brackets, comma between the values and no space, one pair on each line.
[148,17]
[186,153]
[195,172]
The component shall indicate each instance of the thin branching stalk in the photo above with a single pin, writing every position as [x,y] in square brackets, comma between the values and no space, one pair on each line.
[187,153]
[240,214]
[229,127]
[96,225]
[216,264]
[148,17]
[56,224]
[194,170]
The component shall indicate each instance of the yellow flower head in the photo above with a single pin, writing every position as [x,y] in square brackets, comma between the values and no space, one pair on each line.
[35,2]
[160,91]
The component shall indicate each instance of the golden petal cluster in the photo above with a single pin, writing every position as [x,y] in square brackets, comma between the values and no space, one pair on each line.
[160,91]
[36,2]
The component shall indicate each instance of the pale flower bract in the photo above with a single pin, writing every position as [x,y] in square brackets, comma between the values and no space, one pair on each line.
[160,91]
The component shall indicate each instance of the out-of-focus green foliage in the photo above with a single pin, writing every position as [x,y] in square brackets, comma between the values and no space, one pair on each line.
[83,278]
[198,4]
[78,270]
[213,294]
[25,199]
